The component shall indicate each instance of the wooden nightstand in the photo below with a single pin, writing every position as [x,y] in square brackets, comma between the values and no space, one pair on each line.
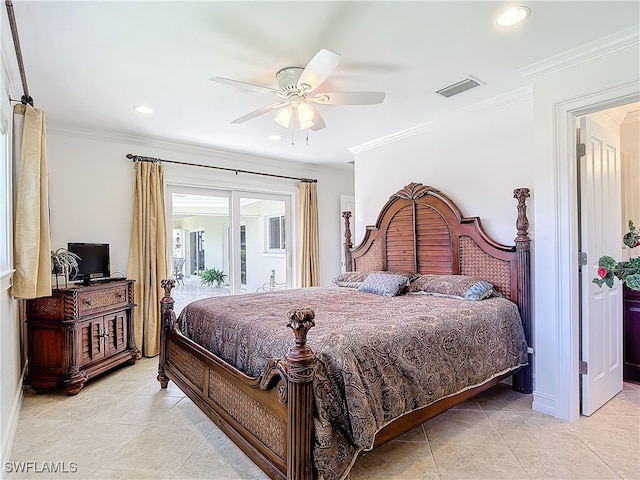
[78,333]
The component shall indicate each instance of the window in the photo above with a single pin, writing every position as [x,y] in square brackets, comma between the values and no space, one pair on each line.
[276,234]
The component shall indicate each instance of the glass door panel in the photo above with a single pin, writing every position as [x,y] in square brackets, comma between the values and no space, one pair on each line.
[199,241]
[264,253]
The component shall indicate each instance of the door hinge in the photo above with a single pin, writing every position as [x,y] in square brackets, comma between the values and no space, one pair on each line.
[581,150]
[582,259]
[584,367]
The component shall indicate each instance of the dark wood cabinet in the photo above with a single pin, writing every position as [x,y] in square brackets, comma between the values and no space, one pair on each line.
[631,334]
[78,333]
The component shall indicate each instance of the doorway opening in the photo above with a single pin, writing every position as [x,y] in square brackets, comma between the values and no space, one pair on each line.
[607,170]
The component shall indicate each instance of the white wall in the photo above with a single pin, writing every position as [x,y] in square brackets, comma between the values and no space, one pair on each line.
[90,186]
[479,158]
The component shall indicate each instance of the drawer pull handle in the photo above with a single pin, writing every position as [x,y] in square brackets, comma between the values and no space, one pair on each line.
[87,301]
[120,295]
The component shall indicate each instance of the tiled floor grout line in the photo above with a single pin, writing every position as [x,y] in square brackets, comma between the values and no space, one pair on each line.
[597,454]
[426,437]
[524,468]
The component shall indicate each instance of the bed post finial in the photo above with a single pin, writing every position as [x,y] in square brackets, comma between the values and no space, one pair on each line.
[522,381]
[348,245]
[167,285]
[522,223]
[300,321]
[300,363]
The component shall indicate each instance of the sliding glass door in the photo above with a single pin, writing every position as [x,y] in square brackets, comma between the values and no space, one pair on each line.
[229,242]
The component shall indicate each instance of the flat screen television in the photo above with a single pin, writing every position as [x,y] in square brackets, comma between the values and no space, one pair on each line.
[94,261]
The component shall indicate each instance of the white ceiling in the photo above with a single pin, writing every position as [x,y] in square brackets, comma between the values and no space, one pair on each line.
[88,63]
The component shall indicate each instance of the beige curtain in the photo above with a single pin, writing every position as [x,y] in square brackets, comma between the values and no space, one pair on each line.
[148,254]
[31,241]
[309,243]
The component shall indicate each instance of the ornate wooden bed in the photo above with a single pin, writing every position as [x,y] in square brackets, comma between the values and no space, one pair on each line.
[270,416]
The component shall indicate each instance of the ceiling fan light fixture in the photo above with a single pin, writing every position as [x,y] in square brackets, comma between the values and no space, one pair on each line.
[306,125]
[305,114]
[513,15]
[283,118]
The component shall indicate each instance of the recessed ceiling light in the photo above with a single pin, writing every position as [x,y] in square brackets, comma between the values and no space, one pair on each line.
[512,16]
[274,137]
[143,109]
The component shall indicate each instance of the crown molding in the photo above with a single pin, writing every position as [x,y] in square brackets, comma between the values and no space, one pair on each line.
[632,117]
[493,103]
[618,41]
[178,147]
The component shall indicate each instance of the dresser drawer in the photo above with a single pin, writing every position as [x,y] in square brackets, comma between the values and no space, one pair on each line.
[97,300]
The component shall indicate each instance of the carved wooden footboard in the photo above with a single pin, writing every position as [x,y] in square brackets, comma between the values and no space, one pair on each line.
[269,417]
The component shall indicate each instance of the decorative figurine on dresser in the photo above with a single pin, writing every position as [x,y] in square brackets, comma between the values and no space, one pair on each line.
[79,332]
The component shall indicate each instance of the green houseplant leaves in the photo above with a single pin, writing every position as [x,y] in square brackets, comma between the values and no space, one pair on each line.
[210,276]
[627,271]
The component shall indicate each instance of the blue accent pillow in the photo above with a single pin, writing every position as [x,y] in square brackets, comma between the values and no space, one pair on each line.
[384,284]
[479,291]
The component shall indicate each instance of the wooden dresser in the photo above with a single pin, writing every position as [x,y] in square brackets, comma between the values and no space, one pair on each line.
[78,333]
[631,319]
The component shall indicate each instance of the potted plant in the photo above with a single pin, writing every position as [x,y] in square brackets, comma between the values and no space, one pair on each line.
[211,275]
[628,271]
[64,263]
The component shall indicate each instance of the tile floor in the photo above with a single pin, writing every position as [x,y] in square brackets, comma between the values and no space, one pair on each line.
[123,426]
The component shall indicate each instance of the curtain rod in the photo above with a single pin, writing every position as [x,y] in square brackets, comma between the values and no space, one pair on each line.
[16,43]
[139,158]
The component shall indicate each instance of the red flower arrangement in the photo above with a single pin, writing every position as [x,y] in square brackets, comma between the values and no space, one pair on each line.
[628,272]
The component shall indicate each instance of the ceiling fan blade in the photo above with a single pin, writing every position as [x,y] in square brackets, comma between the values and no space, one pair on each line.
[348,98]
[318,121]
[318,69]
[260,111]
[245,85]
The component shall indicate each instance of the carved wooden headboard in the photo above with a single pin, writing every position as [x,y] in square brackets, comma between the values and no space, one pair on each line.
[421,230]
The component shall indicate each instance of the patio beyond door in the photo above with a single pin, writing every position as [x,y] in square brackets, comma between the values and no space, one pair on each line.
[238,239]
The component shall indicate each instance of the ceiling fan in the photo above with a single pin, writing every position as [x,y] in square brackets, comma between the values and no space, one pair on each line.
[297,91]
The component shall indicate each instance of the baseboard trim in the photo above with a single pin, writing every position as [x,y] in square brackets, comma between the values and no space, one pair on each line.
[544,403]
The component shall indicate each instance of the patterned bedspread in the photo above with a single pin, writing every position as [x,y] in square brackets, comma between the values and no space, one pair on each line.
[379,357]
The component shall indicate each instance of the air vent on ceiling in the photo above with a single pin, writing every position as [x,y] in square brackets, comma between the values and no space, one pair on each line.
[459,87]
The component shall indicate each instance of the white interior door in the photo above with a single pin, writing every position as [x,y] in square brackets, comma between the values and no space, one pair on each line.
[601,234]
